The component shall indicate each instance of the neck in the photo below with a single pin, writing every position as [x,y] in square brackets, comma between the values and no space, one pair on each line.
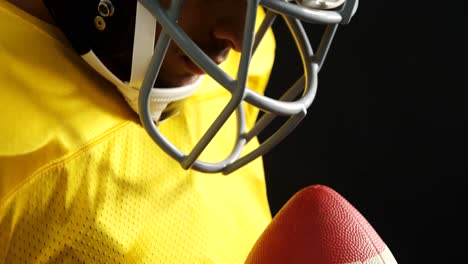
[35,8]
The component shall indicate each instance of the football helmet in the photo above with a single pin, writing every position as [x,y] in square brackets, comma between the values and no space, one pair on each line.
[134,62]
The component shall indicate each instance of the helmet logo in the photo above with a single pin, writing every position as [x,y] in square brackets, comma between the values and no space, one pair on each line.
[105,8]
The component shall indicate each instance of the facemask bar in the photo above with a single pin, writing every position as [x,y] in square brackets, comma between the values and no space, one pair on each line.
[296,109]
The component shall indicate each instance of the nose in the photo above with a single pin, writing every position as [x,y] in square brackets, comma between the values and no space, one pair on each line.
[233,38]
[229,26]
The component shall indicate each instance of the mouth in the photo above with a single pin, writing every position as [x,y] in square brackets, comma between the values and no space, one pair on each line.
[193,68]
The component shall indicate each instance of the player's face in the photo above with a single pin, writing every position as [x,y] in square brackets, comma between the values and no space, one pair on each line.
[216,26]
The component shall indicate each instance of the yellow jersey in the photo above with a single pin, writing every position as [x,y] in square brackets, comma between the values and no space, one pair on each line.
[82,182]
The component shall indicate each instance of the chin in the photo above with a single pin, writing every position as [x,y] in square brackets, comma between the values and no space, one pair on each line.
[176,81]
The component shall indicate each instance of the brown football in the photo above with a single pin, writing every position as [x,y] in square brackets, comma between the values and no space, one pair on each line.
[318,225]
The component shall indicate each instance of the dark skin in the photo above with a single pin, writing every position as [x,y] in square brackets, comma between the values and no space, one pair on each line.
[216,26]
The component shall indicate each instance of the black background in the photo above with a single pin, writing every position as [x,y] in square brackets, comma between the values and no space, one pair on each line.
[387,129]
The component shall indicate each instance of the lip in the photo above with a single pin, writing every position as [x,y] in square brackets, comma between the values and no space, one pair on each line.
[192,67]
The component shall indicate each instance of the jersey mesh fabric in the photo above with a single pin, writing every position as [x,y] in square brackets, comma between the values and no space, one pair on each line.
[82,182]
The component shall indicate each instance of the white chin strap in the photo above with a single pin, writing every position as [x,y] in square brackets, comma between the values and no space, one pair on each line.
[143,48]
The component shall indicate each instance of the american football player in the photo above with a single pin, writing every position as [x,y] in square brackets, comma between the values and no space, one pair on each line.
[129,127]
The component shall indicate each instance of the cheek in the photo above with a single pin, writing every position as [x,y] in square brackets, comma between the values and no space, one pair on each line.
[194,16]
[165,3]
